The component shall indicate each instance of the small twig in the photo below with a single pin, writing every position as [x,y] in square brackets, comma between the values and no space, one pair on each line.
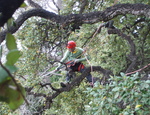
[43,85]
[23,77]
[56,5]
[14,82]
[37,94]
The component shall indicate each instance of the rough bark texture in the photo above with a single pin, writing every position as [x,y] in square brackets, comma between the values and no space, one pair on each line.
[79,19]
[75,82]
[88,18]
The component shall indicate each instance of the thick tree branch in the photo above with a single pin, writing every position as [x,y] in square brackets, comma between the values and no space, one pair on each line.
[88,18]
[76,82]
[83,5]
[132,56]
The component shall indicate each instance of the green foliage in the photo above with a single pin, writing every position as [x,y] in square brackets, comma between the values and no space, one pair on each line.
[124,95]
[75,6]
[11,42]
[9,92]
[4,75]
[69,103]
[10,23]
[4,108]
[12,57]
[23,5]
[108,51]
[11,95]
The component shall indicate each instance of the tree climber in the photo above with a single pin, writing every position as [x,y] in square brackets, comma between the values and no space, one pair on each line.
[74,57]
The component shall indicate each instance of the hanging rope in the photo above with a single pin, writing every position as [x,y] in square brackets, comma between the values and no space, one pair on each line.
[138,70]
[95,33]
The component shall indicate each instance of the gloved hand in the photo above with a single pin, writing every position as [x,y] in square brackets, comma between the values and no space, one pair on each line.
[76,60]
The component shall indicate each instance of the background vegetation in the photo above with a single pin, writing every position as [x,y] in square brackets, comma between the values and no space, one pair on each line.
[43,44]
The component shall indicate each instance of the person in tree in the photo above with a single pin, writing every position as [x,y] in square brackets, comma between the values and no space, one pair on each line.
[73,58]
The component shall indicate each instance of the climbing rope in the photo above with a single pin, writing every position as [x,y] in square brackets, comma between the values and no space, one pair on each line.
[98,30]
[138,70]
[95,33]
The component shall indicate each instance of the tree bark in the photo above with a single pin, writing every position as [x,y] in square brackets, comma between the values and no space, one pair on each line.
[87,18]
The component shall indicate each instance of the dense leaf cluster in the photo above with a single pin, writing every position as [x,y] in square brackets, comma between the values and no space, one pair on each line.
[121,47]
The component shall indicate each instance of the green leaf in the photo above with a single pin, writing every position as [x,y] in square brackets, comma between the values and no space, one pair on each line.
[122,74]
[23,5]
[11,95]
[11,42]
[10,23]
[12,57]
[116,89]
[3,87]
[109,99]
[148,81]
[15,97]
[4,75]
[146,86]
[116,95]
[136,74]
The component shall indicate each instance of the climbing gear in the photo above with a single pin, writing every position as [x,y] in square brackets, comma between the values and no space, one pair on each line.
[75,66]
[98,30]
[70,63]
[81,66]
[71,44]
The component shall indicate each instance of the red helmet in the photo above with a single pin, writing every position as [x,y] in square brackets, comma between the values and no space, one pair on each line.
[71,44]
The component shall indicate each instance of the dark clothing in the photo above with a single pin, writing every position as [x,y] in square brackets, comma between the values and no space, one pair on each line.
[77,67]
